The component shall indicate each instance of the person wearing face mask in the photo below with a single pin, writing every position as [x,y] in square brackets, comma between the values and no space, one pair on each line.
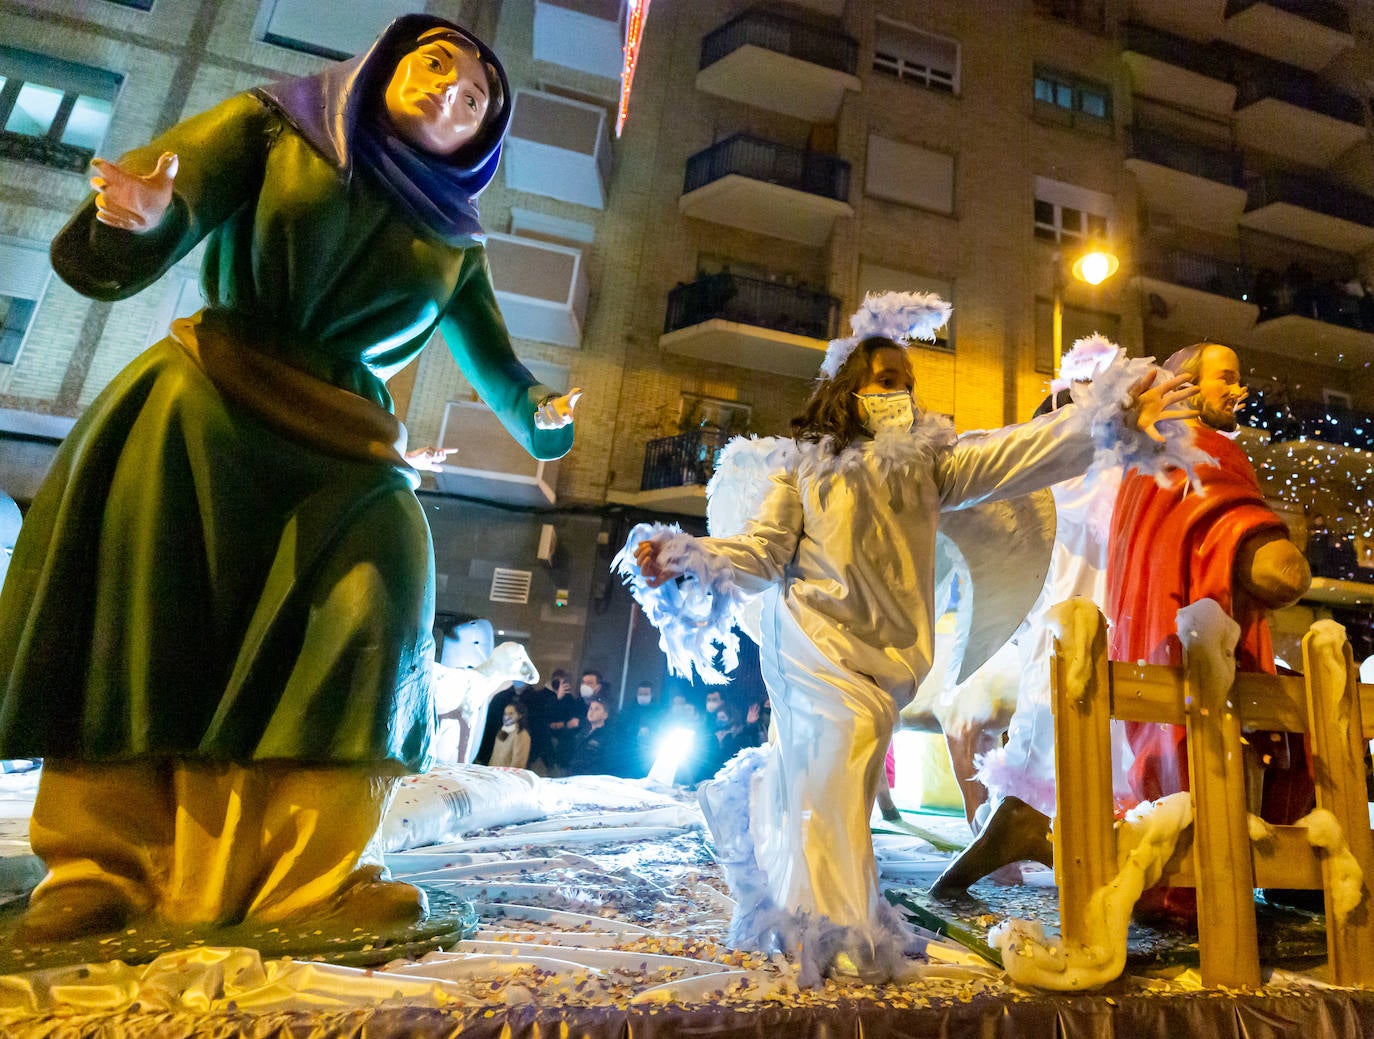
[638,724]
[841,551]
[512,747]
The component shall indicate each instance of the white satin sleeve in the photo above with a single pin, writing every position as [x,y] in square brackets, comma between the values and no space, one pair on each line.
[758,557]
[1014,460]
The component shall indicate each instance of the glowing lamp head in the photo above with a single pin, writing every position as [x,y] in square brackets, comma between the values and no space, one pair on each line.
[1095,267]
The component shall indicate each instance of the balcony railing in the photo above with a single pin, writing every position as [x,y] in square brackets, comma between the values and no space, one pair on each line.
[685,460]
[783,35]
[753,301]
[1224,167]
[60,156]
[1323,12]
[812,172]
[1297,292]
[1175,50]
[1298,88]
[1285,420]
[1320,196]
[1196,271]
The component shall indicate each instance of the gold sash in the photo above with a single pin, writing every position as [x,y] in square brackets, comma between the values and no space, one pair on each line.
[292,402]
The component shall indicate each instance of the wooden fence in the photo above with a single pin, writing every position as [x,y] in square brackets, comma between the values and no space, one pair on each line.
[1223,863]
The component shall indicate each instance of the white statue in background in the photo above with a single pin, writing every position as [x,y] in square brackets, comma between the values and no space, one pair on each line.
[462,694]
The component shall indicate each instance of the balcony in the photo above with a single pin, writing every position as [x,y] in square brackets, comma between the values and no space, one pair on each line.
[587,35]
[1197,295]
[780,64]
[767,188]
[751,323]
[1305,320]
[559,148]
[542,288]
[1294,115]
[1176,70]
[487,463]
[1197,185]
[1306,209]
[1306,33]
[677,470]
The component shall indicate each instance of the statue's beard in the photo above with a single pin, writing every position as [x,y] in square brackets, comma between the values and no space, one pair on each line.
[1219,418]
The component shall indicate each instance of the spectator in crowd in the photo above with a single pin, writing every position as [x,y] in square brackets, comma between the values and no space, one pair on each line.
[638,726]
[592,685]
[540,705]
[683,715]
[565,719]
[512,744]
[592,752]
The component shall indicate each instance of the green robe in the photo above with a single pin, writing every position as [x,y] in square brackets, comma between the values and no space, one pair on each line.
[192,581]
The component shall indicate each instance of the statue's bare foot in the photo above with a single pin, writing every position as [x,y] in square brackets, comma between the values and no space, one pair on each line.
[1014,832]
[73,911]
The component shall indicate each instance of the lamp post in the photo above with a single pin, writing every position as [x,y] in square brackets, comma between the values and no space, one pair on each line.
[1094,266]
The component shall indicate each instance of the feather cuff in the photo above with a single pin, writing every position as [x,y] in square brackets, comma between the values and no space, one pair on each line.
[695,616]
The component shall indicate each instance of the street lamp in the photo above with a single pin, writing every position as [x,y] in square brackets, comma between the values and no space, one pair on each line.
[1094,266]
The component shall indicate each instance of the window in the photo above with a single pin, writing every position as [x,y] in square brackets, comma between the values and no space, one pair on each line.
[53,112]
[1078,322]
[24,273]
[15,317]
[916,56]
[346,30]
[875,278]
[1068,214]
[909,174]
[1071,99]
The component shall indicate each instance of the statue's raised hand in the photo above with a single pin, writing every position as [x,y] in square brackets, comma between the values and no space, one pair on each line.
[132,202]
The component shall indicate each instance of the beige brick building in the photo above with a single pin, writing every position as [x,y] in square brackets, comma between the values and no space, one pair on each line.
[778,162]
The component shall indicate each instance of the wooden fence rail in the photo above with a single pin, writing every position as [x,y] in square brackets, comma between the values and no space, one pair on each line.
[1223,863]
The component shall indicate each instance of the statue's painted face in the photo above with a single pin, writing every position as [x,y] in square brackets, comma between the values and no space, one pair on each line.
[438,96]
[1219,391]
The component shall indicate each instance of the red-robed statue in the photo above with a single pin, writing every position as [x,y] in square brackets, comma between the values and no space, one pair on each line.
[1174,545]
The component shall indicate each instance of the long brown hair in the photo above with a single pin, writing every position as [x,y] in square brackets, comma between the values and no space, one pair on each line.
[831,412]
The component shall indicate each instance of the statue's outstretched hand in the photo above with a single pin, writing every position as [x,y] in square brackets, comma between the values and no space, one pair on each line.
[430,459]
[131,202]
[1153,404]
[557,412]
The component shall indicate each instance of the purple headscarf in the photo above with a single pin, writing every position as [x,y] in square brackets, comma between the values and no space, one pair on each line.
[341,113]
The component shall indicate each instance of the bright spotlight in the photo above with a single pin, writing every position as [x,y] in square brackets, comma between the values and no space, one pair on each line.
[673,748]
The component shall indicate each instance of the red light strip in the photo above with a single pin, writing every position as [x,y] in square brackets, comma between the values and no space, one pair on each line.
[634,32]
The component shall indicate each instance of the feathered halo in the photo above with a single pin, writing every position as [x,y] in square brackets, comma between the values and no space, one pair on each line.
[1086,359]
[900,316]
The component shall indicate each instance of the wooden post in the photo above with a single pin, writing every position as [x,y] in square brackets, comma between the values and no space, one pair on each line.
[1224,875]
[1084,838]
[1337,747]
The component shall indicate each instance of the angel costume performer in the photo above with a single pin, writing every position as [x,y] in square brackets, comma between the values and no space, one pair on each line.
[841,552]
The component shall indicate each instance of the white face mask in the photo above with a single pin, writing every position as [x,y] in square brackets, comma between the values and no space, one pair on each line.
[645,699]
[880,411]
[588,691]
[508,726]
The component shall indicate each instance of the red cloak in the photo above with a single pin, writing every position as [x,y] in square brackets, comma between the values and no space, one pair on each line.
[1171,546]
